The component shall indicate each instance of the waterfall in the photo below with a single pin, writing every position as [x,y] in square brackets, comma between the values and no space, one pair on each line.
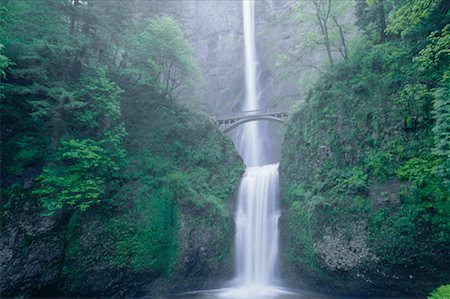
[250,137]
[256,226]
[257,213]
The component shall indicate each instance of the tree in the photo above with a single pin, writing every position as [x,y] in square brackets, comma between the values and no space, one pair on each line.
[378,11]
[63,109]
[79,179]
[87,158]
[434,62]
[5,63]
[410,16]
[381,20]
[323,11]
[163,56]
[327,18]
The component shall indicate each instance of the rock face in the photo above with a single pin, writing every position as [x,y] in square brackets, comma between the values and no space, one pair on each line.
[216,34]
[353,224]
[95,267]
[155,236]
[205,254]
[277,35]
[215,31]
[341,252]
[31,249]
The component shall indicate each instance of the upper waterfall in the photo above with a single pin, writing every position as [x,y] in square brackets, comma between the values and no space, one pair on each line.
[250,143]
[251,100]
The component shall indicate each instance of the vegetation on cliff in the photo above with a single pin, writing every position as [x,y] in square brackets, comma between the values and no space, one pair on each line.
[134,185]
[440,293]
[366,158]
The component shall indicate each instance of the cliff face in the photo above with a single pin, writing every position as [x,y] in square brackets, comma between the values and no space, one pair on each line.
[277,35]
[358,218]
[215,31]
[167,228]
[31,248]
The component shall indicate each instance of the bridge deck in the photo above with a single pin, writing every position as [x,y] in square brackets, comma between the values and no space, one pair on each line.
[230,121]
[275,112]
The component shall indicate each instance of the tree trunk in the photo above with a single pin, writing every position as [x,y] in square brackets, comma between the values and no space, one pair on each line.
[382,21]
[73,17]
[57,124]
[344,52]
[327,45]
[324,27]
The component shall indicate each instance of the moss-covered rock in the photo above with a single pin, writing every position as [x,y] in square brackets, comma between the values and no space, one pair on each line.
[31,246]
[171,227]
[441,292]
[365,203]
[168,227]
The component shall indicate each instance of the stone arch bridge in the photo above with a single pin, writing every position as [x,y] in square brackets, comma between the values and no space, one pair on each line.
[230,121]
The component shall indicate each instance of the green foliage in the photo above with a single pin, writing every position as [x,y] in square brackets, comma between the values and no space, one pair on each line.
[79,180]
[434,60]
[162,59]
[5,62]
[443,292]
[436,53]
[371,18]
[85,168]
[163,190]
[429,194]
[409,16]
[418,170]
[387,226]
[441,130]
[326,18]
[377,164]
[89,97]
[359,148]
[355,181]
[167,48]
[98,101]
[149,243]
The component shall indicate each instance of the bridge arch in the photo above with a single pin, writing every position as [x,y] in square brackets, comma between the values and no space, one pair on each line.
[249,119]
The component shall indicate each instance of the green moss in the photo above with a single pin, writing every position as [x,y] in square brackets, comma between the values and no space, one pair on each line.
[140,231]
[443,292]
[359,149]
[120,152]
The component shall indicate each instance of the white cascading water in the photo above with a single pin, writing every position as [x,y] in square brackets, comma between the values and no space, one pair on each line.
[250,141]
[257,212]
[257,227]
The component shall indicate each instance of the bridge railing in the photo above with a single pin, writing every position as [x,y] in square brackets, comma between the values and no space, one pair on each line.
[247,113]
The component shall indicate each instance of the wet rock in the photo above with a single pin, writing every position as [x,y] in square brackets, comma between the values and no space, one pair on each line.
[31,250]
[345,252]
